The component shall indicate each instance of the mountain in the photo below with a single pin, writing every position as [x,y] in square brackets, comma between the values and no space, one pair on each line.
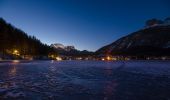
[70,50]
[14,40]
[59,46]
[154,40]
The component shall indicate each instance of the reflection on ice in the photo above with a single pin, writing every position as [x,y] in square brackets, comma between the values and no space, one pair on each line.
[12,71]
[110,89]
[52,68]
[15,61]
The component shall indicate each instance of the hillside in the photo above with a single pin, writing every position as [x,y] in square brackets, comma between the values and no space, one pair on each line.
[151,41]
[12,38]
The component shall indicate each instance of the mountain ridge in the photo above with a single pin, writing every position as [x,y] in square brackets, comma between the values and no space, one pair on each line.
[149,41]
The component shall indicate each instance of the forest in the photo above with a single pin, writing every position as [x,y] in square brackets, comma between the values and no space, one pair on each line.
[14,41]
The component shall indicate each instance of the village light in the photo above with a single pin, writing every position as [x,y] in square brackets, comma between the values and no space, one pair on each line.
[58,58]
[52,56]
[109,58]
[16,52]
[103,59]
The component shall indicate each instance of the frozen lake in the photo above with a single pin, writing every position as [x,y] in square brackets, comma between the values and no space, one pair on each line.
[85,80]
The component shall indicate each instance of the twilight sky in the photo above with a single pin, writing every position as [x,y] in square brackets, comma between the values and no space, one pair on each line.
[86,24]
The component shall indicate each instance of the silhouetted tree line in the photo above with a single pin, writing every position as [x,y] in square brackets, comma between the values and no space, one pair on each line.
[12,38]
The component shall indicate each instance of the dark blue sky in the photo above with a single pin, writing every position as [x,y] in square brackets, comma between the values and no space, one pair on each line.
[86,24]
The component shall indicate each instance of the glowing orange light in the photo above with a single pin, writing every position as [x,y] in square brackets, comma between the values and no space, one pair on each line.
[16,52]
[108,58]
[52,56]
[58,58]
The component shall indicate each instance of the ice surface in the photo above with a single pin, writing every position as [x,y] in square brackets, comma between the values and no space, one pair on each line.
[85,80]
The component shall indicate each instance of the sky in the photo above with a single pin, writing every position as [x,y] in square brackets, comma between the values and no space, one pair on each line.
[86,24]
